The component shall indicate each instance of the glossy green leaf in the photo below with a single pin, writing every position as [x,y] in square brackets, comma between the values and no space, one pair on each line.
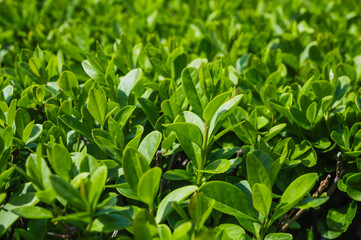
[149,145]
[97,105]
[193,90]
[97,183]
[134,165]
[126,85]
[278,236]
[256,172]
[213,106]
[33,212]
[76,125]
[178,195]
[66,191]
[262,198]
[294,193]
[148,185]
[109,223]
[311,113]
[68,82]
[217,166]
[354,187]
[150,110]
[229,199]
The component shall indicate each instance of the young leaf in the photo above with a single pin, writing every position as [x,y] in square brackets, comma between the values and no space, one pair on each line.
[311,113]
[262,198]
[199,209]
[66,191]
[293,194]
[278,236]
[354,187]
[126,85]
[222,112]
[217,166]
[68,82]
[60,160]
[256,172]
[150,110]
[97,105]
[193,90]
[178,195]
[33,212]
[97,183]
[148,185]
[149,145]
[213,106]
[229,199]
[110,222]
[134,165]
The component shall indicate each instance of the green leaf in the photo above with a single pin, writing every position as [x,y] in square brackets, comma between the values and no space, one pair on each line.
[354,187]
[178,195]
[60,160]
[229,231]
[134,165]
[7,217]
[124,114]
[126,191]
[27,131]
[262,198]
[278,236]
[293,194]
[76,125]
[93,71]
[273,131]
[256,172]
[222,112]
[32,212]
[171,109]
[68,82]
[188,131]
[10,116]
[193,90]
[214,105]
[109,223]
[217,166]
[97,105]
[126,85]
[150,110]
[311,113]
[340,219]
[200,209]
[177,174]
[299,118]
[229,199]
[22,119]
[312,202]
[97,183]
[148,185]
[66,191]
[149,145]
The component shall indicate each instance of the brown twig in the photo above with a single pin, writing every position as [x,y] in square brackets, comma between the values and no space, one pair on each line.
[158,158]
[339,171]
[115,233]
[57,235]
[239,155]
[320,190]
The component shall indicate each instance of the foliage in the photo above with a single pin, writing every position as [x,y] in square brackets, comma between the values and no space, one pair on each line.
[180,119]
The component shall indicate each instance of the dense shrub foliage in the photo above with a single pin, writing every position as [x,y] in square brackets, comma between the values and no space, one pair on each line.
[180,119]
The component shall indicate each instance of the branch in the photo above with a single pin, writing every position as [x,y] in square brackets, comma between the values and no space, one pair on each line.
[317,194]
